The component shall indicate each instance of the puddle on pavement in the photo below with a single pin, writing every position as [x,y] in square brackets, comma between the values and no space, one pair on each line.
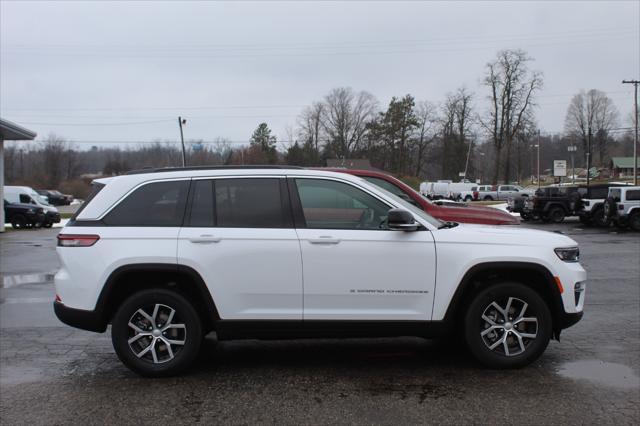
[606,373]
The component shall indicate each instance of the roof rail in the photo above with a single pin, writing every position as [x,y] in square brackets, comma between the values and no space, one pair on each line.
[231,167]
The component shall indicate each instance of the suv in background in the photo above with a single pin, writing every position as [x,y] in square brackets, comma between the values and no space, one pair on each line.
[23,215]
[552,204]
[168,256]
[591,208]
[623,206]
[55,198]
[444,210]
[26,195]
[500,192]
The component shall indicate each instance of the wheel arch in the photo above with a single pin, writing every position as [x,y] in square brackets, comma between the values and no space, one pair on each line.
[480,276]
[180,278]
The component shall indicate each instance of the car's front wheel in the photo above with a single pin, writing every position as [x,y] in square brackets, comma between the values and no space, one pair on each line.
[156,333]
[634,220]
[507,325]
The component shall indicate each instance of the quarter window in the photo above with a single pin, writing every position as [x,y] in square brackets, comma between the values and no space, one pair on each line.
[154,204]
[329,204]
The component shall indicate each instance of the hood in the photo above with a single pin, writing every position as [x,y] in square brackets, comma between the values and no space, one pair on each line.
[500,235]
[473,214]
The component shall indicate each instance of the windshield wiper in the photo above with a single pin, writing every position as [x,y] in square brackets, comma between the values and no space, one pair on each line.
[447,225]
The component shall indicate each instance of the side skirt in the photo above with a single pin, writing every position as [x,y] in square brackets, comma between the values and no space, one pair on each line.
[291,329]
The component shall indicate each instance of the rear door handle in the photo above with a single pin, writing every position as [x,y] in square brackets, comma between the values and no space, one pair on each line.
[324,240]
[205,239]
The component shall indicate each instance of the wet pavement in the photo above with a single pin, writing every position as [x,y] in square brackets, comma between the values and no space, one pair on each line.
[53,374]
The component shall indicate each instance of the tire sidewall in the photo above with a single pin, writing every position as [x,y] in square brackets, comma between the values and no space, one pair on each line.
[556,215]
[473,325]
[183,359]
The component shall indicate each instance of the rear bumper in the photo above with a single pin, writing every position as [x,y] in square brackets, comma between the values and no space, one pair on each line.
[79,318]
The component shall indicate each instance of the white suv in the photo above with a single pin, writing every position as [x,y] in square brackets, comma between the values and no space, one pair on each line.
[169,255]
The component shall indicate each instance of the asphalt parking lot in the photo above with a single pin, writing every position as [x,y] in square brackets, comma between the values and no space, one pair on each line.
[53,374]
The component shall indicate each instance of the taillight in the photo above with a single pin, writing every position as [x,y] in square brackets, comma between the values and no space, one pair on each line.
[69,240]
[620,206]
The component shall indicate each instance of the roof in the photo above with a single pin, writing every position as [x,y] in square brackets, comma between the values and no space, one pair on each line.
[10,131]
[623,162]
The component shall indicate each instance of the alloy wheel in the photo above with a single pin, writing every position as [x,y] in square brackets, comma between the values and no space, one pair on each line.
[156,334]
[508,328]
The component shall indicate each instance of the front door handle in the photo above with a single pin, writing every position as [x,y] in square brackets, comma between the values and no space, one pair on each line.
[324,240]
[205,239]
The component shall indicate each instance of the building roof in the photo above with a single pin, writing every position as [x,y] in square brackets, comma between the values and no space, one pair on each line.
[623,162]
[12,132]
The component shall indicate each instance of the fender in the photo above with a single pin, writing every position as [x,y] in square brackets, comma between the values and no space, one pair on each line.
[469,283]
[110,287]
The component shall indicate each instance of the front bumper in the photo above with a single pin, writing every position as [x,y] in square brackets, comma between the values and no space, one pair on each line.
[79,318]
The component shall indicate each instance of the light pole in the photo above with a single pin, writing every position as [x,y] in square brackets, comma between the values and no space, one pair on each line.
[635,139]
[538,146]
[182,121]
[572,149]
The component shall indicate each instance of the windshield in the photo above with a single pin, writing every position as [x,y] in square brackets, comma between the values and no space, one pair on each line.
[413,209]
[38,198]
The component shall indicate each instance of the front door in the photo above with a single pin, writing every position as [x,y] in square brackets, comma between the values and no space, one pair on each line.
[239,236]
[354,267]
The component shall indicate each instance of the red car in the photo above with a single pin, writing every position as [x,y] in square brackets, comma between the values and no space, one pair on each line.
[446,211]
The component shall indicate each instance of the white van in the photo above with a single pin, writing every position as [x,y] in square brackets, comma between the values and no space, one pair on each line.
[27,195]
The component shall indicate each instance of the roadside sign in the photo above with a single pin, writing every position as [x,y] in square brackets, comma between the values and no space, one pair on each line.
[559,167]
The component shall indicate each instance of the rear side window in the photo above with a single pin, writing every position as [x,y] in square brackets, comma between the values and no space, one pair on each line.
[202,208]
[249,203]
[633,195]
[154,204]
[598,192]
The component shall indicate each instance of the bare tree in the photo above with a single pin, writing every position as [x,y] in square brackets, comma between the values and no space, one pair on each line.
[427,116]
[54,153]
[512,89]
[591,115]
[345,118]
[456,130]
[310,124]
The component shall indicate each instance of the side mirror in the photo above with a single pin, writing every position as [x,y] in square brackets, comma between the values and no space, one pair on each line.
[401,220]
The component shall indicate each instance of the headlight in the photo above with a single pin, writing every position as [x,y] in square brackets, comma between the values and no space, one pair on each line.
[570,254]
[31,211]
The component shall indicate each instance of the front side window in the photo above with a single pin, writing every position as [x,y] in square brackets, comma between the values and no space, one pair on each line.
[154,204]
[329,204]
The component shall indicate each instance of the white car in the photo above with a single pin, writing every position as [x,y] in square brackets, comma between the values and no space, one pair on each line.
[166,256]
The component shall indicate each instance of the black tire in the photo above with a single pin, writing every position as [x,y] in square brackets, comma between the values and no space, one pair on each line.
[47,225]
[468,198]
[18,221]
[145,365]
[634,220]
[556,214]
[599,219]
[609,208]
[475,325]
[525,216]
[488,198]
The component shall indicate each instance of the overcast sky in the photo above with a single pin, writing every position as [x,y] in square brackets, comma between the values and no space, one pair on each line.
[124,71]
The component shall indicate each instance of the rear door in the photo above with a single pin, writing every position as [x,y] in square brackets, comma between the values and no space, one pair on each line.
[239,236]
[354,267]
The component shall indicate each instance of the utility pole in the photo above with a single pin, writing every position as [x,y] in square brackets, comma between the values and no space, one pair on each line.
[572,148]
[538,158]
[184,152]
[635,139]
[588,155]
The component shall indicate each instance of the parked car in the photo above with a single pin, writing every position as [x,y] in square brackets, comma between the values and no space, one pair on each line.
[591,208]
[166,257]
[501,192]
[26,195]
[23,215]
[445,210]
[457,189]
[623,206]
[552,204]
[55,198]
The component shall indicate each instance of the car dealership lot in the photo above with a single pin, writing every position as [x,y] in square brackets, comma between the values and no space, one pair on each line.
[50,373]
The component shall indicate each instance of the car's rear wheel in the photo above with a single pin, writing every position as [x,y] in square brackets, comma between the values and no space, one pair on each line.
[634,220]
[47,224]
[488,198]
[556,215]
[18,221]
[507,325]
[468,198]
[599,218]
[156,333]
